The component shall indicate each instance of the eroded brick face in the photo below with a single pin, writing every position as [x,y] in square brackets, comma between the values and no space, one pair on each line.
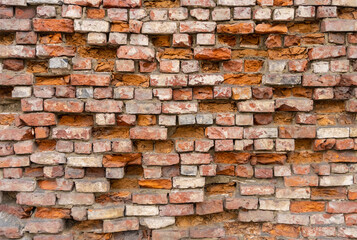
[178,119]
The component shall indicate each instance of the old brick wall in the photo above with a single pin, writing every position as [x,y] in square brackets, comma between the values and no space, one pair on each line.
[178,119]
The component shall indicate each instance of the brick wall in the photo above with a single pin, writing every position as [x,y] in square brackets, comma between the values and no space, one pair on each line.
[178,119]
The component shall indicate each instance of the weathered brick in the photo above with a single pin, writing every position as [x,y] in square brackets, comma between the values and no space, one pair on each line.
[125,224]
[87,161]
[48,158]
[288,218]
[105,213]
[71,133]
[61,105]
[17,185]
[148,133]
[159,27]
[256,106]
[17,51]
[195,158]
[36,199]
[212,54]
[164,80]
[327,52]
[188,182]
[203,232]
[119,3]
[338,25]
[98,185]
[133,52]
[195,27]
[91,26]
[89,80]
[179,107]
[38,119]
[160,159]
[281,79]
[111,106]
[75,198]
[256,216]
[44,226]
[199,80]
[15,25]
[141,107]
[16,134]
[89,3]
[257,190]
[186,196]
[53,25]
[332,132]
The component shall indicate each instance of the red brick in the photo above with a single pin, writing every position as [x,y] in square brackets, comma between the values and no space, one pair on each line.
[18,79]
[195,158]
[307,206]
[351,219]
[15,25]
[237,28]
[257,190]
[148,133]
[38,119]
[188,196]
[88,3]
[318,231]
[171,233]
[24,147]
[160,159]
[341,207]
[55,51]
[263,172]
[23,13]
[256,216]
[224,132]
[126,224]
[17,185]
[6,149]
[205,232]
[53,25]
[179,107]
[242,202]
[6,12]
[150,198]
[327,52]
[60,105]
[133,52]
[209,207]
[245,171]
[36,199]
[301,181]
[212,54]
[13,64]
[75,198]
[176,210]
[14,173]
[14,161]
[120,3]
[71,133]
[16,134]
[109,106]
[26,37]
[44,226]
[90,80]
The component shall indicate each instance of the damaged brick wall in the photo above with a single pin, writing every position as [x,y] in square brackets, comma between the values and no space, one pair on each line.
[178,119]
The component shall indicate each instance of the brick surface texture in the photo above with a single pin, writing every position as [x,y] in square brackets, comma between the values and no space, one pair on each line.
[178,119]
